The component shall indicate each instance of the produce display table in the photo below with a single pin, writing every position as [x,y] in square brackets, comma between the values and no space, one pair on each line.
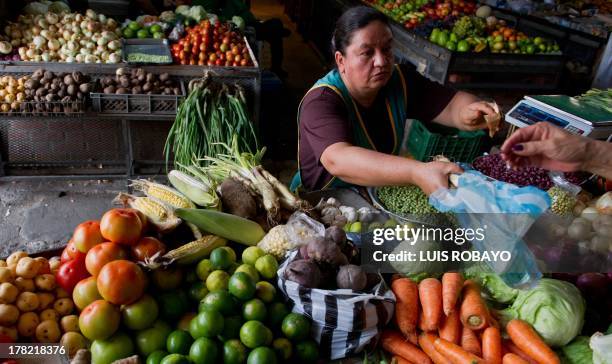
[99,144]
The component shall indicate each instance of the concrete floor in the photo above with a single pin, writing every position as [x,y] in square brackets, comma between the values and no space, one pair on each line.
[40,215]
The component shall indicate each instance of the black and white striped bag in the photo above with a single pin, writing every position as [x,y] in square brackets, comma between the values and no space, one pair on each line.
[343,321]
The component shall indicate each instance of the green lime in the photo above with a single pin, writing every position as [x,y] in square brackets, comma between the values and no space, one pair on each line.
[296,327]
[204,268]
[254,334]
[453,37]
[206,324]
[175,359]
[442,39]
[242,286]
[231,327]
[277,313]
[197,291]
[134,26]
[267,266]
[433,37]
[463,46]
[250,270]
[143,34]
[234,352]
[265,291]
[220,301]
[184,321]
[158,35]
[307,351]
[283,348]
[251,254]
[155,28]
[217,281]
[152,339]
[232,269]
[537,40]
[254,309]
[222,258]
[156,357]
[128,33]
[262,355]
[204,351]
[451,46]
[355,227]
[173,304]
[179,342]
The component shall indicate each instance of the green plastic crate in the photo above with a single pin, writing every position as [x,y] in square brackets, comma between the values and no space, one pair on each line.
[425,142]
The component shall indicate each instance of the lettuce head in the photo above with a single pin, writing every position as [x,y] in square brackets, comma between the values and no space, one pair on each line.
[554,308]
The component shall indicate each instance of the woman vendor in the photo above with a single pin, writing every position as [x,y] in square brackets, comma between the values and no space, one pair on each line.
[351,122]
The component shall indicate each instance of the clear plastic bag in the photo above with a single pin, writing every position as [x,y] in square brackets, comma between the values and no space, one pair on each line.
[506,212]
[300,228]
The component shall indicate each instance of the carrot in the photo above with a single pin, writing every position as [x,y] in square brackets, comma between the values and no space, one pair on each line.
[393,342]
[430,294]
[452,283]
[470,342]
[426,341]
[513,349]
[492,346]
[513,359]
[450,329]
[474,312]
[528,340]
[399,360]
[455,353]
[406,307]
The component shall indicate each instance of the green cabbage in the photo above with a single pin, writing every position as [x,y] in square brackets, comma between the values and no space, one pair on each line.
[492,284]
[198,13]
[183,10]
[167,17]
[418,268]
[36,8]
[59,7]
[577,352]
[554,308]
[239,22]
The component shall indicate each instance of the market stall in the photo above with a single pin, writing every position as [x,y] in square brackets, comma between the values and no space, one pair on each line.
[111,132]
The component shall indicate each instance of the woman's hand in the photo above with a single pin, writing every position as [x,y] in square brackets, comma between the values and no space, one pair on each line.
[546,146]
[434,175]
[471,116]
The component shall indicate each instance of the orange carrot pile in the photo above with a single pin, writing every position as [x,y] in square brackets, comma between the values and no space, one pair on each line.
[456,327]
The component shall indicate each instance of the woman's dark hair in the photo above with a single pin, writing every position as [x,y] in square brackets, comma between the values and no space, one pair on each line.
[351,21]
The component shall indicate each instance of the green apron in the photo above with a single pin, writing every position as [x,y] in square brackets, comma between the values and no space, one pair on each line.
[396,100]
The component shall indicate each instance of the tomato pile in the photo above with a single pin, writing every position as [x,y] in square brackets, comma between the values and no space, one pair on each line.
[212,45]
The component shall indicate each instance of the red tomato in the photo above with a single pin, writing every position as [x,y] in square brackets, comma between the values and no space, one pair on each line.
[213,57]
[244,62]
[146,248]
[202,47]
[235,50]
[71,253]
[121,282]
[121,226]
[101,254]
[192,62]
[210,63]
[237,58]
[201,63]
[65,257]
[86,235]
[70,273]
[219,62]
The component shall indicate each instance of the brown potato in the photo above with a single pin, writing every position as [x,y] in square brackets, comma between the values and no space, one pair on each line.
[27,268]
[73,341]
[9,314]
[43,265]
[70,323]
[15,257]
[48,332]
[49,314]
[3,263]
[45,300]
[9,331]
[45,282]
[24,285]
[27,301]
[6,275]
[27,324]
[54,263]
[13,268]
[63,306]
[8,292]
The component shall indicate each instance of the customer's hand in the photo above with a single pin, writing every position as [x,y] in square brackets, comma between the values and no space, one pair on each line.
[471,117]
[546,146]
[434,175]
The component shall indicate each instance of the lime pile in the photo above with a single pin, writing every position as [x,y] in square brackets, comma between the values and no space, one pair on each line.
[136,30]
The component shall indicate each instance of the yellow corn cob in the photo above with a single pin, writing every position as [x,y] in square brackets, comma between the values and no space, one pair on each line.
[163,193]
[159,215]
[196,250]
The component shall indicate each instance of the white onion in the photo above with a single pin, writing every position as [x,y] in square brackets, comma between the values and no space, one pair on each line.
[53,44]
[52,18]
[91,14]
[589,213]
[36,30]
[604,203]
[42,23]
[39,42]
[600,244]
[46,57]
[101,18]
[80,58]
[22,52]
[603,226]
[37,58]
[70,59]
[114,45]
[579,231]
[114,58]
